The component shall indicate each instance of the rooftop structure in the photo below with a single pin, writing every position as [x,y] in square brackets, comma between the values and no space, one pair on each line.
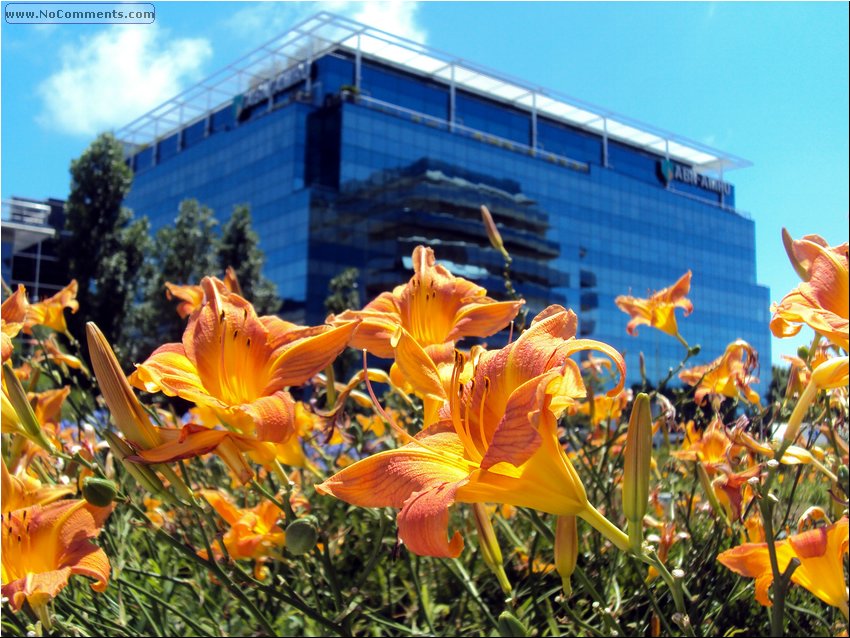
[283,58]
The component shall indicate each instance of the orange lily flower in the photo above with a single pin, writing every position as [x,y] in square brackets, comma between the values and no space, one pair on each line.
[434,307]
[820,552]
[495,442]
[12,315]
[605,408]
[729,375]
[22,490]
[53,353]
[253,532]
[658,310]
[195,440]
[432,381]
[802,252]
[50,312]
[794,454]
[712,447]
[239,364]
[155,513]
[596,365]
[821,300]
[192,297]
[47,406]
[731,490]
[44,545]
[754,528]
[800,372]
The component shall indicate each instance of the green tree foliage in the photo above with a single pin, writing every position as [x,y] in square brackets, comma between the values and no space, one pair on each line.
[343,292]
[239,248]
[778,384]
[103,248]
[183,253]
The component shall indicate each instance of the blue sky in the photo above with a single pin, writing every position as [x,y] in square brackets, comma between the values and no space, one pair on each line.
[764,81]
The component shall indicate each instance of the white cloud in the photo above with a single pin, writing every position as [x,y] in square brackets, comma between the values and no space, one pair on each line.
[265,20]
[398,17]
[111,78]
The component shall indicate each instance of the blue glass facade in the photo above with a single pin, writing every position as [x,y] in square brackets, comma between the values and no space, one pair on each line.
[339,177]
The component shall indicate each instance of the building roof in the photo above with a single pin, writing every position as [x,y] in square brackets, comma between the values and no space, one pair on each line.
[326,32]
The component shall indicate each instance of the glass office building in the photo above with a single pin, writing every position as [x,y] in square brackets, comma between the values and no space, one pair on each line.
[352,146]
[30,233]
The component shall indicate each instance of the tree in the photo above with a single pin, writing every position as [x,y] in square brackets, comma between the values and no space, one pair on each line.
[239,248]
[182,254]
[103,248]
[344,294]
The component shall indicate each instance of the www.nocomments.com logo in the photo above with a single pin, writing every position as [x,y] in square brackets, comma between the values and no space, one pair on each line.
[79,13]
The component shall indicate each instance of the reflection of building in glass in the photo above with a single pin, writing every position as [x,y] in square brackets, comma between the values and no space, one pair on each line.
[374,224]
[359,144]
[30,230]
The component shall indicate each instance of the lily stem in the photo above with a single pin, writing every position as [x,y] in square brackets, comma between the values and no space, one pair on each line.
[605,527]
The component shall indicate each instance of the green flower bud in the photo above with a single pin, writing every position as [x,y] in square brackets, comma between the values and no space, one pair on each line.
[566,550]
[98,491]
[509,625]
[31,428]
[143,474]
[301,535]
[843,475]
[638,461]
[490,550]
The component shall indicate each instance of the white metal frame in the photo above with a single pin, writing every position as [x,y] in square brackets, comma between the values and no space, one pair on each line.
[326,32]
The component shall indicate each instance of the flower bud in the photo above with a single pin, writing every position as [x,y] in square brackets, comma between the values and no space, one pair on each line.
[129,415]
[127,412]
[30,427]
[509,625]
[799,267]
[566,550]
[143,474]
[810,517]
[832,373]
[99,492]
[638,462]
[493,233]
[301,535]
[490,550]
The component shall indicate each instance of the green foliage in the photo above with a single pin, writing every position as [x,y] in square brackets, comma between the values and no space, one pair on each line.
[778,383]
[103,249]
[239,248]
[186,252]
[343,292]
[122,273]
[342,570]
[183,253]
